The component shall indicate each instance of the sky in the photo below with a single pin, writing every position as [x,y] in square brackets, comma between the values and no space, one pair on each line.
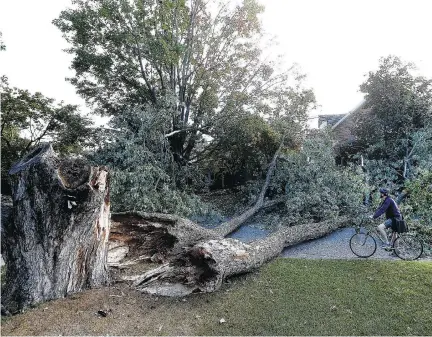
[334,42]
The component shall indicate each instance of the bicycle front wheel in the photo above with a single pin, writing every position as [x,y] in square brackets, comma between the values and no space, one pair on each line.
[363,245]
[408,247]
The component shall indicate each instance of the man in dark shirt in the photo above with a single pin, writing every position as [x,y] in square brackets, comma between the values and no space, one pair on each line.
[392,212]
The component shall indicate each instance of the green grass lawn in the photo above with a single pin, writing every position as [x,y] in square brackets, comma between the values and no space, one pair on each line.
[285,297]
[328,297]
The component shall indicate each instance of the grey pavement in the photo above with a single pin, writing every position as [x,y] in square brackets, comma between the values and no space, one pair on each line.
[332,246]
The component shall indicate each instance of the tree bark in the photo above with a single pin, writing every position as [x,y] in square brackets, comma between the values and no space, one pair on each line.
[194,259]
[56,243]
[203,267]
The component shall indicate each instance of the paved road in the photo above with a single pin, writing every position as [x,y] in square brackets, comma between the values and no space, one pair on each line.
[332,246]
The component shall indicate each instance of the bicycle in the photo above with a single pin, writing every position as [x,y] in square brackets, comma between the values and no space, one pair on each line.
[406,246]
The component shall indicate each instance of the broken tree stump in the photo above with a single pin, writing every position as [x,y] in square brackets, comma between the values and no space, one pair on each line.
[56,242]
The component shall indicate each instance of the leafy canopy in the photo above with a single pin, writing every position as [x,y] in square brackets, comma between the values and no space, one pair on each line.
[144,175]
[205,55]
[313,187]
[398,104]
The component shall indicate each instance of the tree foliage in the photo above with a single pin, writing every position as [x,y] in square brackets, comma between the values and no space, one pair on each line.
[395,131]
[144,175]
[418,207]
[206,55]
[313,186]
[240,152]
[420,197]
[394,126]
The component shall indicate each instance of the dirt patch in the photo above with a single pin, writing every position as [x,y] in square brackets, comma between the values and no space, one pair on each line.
[129,312]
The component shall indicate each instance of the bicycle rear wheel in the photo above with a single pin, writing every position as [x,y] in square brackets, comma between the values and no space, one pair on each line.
[408,247]
[362,245]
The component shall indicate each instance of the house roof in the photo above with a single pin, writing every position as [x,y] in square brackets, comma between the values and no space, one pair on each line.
[329,120]
[357,108]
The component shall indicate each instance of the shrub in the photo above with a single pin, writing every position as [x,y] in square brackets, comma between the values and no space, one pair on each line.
[418,207]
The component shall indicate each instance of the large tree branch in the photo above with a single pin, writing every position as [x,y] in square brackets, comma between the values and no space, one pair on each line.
[185,130]
[230,226]
[140,61]
[152,94]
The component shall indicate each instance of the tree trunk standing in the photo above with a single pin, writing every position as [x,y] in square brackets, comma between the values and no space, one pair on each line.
[56,243]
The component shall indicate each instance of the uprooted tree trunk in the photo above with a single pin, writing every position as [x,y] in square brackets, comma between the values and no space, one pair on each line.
[155,237]
[56,241]
[203,266]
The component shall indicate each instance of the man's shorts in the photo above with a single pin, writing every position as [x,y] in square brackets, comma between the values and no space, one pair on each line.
[388,223]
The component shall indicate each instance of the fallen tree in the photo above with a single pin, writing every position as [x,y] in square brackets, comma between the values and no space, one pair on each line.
[203,266]
[56,240]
